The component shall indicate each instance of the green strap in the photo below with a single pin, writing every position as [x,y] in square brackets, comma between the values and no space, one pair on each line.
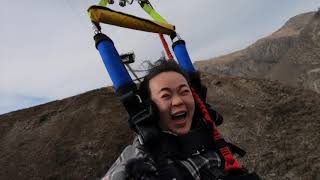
[146,7]
[103,3]
[153,13]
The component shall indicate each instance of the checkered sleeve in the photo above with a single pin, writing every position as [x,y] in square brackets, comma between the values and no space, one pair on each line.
[204,166]
[117,170]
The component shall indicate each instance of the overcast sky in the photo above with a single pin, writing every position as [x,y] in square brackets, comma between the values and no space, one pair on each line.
[47,52]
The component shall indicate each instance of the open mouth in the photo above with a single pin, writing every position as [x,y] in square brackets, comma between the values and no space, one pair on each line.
[179,116]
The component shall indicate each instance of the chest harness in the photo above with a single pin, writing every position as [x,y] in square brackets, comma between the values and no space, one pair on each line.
[141,115]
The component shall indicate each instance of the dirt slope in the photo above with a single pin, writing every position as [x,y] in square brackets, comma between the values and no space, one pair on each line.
[75,138]
[79,137]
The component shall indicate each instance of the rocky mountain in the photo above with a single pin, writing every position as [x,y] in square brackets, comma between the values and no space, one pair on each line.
[290,55]
[79,137]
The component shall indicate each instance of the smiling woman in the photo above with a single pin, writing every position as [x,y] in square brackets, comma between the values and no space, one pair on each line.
[168,87]
[184,148]
[172,95]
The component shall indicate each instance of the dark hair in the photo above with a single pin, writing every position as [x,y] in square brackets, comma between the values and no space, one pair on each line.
[158,67]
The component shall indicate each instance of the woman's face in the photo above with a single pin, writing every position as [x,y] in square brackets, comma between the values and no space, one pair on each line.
[171,93]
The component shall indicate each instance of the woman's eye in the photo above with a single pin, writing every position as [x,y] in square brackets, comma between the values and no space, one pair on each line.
[185,91]
[165,96]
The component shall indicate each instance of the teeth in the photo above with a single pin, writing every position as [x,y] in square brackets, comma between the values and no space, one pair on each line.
[179,116]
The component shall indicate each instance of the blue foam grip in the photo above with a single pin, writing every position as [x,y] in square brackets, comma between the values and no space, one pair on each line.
[111,59]
[183,57]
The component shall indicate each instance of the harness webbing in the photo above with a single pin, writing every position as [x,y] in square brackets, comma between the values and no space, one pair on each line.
[103,3]
[231,164]
[147,7]
[166,47]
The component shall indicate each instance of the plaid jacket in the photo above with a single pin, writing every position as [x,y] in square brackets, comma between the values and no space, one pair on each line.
[202,166]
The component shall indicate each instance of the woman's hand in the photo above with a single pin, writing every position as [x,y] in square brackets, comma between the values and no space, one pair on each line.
[140,169]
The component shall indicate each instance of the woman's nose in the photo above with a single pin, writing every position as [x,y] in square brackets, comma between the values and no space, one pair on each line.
[176,100]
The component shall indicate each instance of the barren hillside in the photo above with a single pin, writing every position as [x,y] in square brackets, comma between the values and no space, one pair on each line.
[290,55]
[79,137]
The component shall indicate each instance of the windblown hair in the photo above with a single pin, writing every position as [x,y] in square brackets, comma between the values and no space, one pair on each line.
[159,67]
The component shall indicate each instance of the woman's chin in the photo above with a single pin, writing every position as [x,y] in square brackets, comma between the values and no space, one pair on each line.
[181,131]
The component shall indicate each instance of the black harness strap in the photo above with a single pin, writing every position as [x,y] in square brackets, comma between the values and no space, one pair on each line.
[181,147]
[141,115]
